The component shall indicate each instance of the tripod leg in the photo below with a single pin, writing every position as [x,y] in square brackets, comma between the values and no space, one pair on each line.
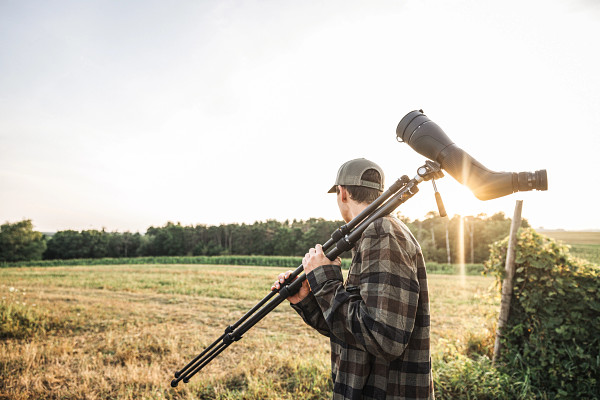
[200,364]
[181,371]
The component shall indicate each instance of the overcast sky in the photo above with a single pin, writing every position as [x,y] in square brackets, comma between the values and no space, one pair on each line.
[127,114]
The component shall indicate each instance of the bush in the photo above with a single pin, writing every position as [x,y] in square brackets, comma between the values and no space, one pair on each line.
[552,336]
[458,376]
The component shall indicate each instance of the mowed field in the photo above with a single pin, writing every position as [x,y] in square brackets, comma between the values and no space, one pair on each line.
[584,244]
[119,332]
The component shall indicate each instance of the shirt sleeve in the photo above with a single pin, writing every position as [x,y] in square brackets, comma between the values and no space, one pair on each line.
[309,310]
[378,314]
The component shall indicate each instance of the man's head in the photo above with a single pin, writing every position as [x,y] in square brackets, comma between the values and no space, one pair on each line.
[360,179]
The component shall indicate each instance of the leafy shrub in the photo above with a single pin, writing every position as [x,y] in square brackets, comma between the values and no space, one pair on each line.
[552,336]
[480,343]
[458,376]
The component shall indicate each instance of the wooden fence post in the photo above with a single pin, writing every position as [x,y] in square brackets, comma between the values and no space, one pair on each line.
[507,284]
[448,244]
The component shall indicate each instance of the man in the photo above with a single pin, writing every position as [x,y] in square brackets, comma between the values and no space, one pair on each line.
[378,320]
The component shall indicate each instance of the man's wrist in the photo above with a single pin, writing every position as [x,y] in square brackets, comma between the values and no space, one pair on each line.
[300,299]
[310,268]
[304,302]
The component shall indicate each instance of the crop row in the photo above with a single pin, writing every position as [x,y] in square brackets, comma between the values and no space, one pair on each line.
[264,261]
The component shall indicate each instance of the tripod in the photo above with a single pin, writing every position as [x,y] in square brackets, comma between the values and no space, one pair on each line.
[343,239]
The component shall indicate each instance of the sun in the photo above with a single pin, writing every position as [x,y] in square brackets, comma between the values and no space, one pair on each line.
[458,199]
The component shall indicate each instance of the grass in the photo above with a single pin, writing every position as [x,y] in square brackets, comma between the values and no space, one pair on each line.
[584,244]
[590,252]
[120,331]
[574,237]
[290,262]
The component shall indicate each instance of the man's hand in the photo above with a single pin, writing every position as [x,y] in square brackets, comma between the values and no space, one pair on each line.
[315,258]
[296,298]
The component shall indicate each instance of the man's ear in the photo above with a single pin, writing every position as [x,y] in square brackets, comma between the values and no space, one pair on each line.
[344,194]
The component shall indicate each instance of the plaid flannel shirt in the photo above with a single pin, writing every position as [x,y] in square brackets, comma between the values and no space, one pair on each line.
[378,320]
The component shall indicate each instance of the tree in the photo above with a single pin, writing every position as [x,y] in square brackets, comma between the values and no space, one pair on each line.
[286,241]
[71,244]
[95,243]
[439,237]
[19,242]
[65,245]
[123,244]
[479,232]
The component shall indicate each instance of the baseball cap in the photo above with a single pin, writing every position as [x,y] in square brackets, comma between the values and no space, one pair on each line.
[351,171]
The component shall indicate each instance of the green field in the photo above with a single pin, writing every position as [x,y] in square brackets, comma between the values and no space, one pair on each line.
[574,237]
[584,244]
[290,262]
[105,332]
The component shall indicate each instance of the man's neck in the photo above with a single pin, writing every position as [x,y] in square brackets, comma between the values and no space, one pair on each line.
[355,208]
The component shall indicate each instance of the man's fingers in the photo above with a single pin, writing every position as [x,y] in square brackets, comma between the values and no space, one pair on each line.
[282,277]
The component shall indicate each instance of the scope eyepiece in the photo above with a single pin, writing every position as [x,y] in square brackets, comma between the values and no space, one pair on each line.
[537,180]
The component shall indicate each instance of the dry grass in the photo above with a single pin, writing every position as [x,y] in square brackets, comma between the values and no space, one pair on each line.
[105,332]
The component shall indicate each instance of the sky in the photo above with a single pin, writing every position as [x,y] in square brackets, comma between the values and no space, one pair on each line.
[127,114]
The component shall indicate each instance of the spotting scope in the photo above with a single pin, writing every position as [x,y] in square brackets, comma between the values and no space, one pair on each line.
[429,140]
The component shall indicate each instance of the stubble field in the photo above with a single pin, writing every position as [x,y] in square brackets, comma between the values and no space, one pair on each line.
[106,332]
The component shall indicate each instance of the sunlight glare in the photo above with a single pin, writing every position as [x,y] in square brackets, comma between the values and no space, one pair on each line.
[461,249]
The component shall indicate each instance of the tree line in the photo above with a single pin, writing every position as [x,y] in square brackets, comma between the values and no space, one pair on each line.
[440,239]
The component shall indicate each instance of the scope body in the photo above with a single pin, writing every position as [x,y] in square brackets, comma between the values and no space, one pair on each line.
[429,140]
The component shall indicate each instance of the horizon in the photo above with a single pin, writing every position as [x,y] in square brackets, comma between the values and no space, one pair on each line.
[539,228]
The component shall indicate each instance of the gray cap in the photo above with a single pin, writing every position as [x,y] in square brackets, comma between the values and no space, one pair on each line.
[351,171]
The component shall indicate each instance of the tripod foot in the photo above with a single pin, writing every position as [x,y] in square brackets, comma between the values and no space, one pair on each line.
[174,383]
